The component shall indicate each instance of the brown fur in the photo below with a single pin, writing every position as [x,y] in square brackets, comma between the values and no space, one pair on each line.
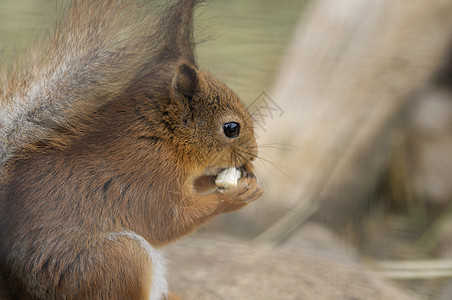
[131,161]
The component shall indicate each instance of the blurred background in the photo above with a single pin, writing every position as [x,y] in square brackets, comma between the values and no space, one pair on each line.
[352,105]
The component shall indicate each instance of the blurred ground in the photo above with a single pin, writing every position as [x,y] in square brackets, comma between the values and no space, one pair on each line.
[230,268]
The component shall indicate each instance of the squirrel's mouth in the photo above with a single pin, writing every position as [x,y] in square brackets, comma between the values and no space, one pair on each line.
[209,181]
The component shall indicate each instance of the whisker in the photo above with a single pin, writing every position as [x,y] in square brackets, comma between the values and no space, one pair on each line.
[263,182]
[252,113]
[236,163]
[233,159]
[274,165]
[281,144]
[243,158]
[272,147]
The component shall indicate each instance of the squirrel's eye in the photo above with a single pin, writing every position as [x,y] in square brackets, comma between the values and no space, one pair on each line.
[231,129]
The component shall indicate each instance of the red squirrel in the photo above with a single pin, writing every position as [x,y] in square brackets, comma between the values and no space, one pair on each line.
[111,140]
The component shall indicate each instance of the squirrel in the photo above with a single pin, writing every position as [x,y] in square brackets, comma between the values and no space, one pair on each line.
[110,145]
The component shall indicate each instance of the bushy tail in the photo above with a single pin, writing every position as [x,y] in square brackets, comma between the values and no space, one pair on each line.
[97,50]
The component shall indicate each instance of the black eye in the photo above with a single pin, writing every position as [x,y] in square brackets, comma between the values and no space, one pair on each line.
[231,129]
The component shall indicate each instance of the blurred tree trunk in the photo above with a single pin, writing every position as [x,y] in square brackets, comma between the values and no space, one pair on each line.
[344,85]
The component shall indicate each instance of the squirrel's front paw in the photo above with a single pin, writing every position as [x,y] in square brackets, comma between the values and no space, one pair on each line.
[246,191]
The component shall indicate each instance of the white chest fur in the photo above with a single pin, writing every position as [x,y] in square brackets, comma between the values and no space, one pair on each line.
[159,285]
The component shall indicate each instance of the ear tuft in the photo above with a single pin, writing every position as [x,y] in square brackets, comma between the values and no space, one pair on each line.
[186,81]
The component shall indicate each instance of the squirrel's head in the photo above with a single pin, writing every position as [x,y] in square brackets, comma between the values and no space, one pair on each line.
[213,127]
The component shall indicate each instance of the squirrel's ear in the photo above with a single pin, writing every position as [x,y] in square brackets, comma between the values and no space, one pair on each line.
[186,81]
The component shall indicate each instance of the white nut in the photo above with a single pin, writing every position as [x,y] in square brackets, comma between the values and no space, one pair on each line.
[228,178]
